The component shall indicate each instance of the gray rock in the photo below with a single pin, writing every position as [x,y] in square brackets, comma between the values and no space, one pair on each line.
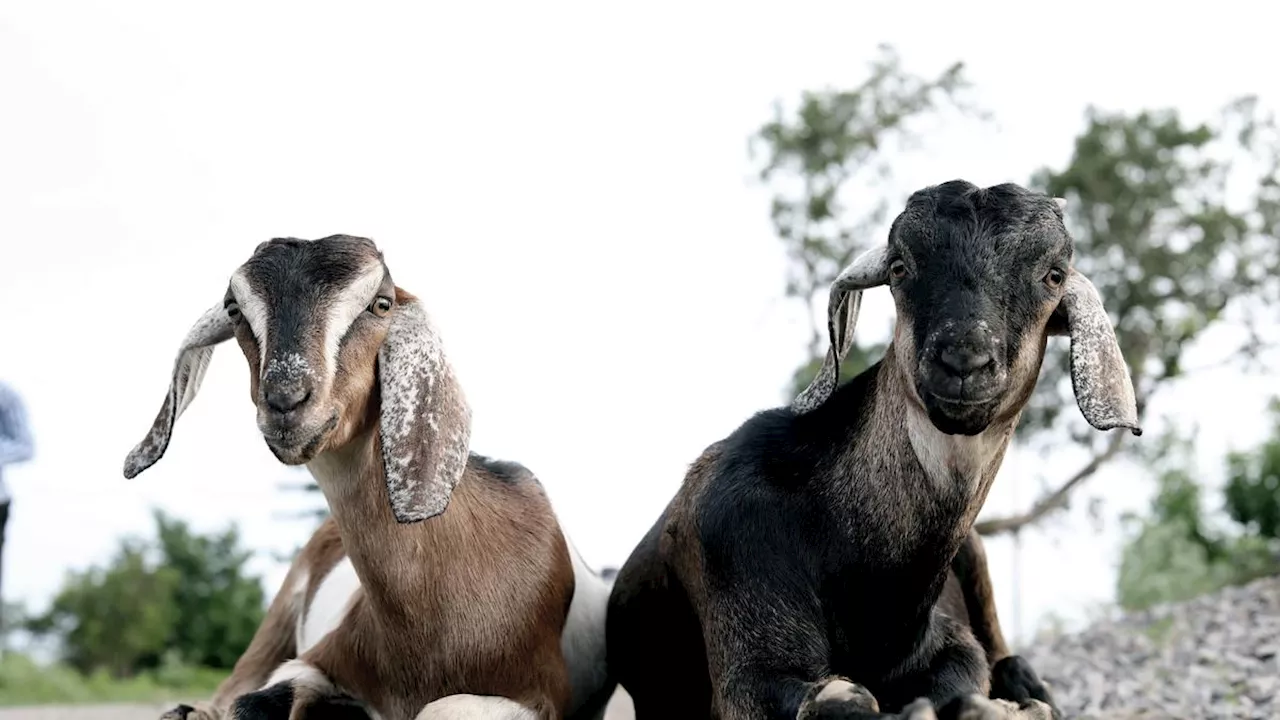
[1217,656]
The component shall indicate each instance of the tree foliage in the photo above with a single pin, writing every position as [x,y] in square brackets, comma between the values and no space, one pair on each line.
[1175,553]
[1253,484]
[1176,223]
[180,595]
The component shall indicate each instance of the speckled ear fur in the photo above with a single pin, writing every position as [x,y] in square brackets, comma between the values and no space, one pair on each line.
[867,271]
[1099,376]
[194,355]
[426,422]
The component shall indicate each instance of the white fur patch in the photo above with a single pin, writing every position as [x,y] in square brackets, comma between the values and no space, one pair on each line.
[583,638]
[253,308]
[301,674]
[329,606]
[346,307]
[475,707]
[948,457]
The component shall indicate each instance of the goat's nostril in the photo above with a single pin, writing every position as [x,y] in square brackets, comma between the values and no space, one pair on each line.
[963,362]
[287,400]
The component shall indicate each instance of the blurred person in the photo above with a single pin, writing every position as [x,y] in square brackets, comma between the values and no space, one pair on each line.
[15,447]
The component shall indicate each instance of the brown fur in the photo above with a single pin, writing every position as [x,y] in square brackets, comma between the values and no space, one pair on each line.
[438,615]
[472,601]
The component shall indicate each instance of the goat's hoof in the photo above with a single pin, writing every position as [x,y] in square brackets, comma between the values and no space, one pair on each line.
[1013,678]
[187,712]
[977,707]
[921,709]
[838,698]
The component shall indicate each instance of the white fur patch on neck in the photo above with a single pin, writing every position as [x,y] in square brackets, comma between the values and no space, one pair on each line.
[329,606]
[253,308]
[948,459]
[346,307]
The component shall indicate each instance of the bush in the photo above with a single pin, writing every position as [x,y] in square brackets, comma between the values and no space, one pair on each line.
[25,682]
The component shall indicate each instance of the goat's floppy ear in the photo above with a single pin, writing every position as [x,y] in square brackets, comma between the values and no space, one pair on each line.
[188,372]
[1099,376]
[867,271]
[426,422]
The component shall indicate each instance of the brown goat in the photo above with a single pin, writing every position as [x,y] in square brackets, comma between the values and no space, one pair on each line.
[442,586]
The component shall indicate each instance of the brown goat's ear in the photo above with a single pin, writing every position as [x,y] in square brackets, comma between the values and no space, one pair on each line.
[188,372]
[867,271]
[1099,376]
[426,422]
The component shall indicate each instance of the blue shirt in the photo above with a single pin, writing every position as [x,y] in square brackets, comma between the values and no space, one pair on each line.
[15,434]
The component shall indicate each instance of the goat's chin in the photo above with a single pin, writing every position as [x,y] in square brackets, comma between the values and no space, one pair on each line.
[957,419]
[299,446]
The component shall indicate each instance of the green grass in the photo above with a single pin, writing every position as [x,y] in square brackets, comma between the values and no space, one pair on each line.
[24,682]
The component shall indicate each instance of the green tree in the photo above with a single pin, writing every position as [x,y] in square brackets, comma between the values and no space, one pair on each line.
[218,605]
[1253,483]
[1174,553]
[181,595]
[117,618]
[834,141]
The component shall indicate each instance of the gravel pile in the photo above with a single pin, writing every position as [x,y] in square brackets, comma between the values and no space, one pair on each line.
[1213,657]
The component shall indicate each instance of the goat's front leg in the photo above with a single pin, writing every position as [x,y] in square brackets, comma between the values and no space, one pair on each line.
[272,644]
[948,676]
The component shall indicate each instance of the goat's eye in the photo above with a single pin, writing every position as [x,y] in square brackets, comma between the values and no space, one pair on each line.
[233,311]
[1055,278]
[897,269]
[381,306]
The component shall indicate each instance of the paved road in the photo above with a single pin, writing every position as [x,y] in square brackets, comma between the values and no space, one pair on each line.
[619,709]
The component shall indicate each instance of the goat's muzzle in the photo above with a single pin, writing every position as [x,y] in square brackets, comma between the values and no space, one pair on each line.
[292,422]
[962,377]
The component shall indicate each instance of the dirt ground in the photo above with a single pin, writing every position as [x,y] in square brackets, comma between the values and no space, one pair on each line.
[619,709]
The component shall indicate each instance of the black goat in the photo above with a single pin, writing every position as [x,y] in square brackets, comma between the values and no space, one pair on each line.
[798,570]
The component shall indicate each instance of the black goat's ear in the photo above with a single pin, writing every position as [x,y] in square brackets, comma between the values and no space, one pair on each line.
[1099,376]
[869,270]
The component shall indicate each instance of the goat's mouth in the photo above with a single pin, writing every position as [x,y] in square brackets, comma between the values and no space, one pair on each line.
[962,414]
[297,445]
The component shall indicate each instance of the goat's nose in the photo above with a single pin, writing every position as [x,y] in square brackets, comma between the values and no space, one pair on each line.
[283,401]
[960,361]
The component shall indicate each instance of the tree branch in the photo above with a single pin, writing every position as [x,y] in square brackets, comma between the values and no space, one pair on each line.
[1056,499]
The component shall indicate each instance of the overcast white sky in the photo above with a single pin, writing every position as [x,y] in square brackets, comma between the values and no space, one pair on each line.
[565,184]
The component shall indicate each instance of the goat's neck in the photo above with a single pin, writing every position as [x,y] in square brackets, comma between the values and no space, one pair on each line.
[951,471]
[389,558]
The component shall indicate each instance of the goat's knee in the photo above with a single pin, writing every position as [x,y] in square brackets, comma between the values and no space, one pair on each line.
[475,707]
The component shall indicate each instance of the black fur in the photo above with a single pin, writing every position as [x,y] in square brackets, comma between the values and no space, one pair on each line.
[819,561]
[1014,679]
[276,701]
[975,260]
[505,470]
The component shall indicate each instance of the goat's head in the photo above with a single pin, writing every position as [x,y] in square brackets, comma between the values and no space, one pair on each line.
[980,279]
[333,346]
